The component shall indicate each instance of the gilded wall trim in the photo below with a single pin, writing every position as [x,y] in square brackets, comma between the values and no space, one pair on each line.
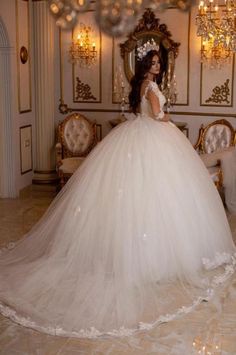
[184,113]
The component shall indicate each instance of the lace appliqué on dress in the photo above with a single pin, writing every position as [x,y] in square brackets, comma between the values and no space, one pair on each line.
[220,259]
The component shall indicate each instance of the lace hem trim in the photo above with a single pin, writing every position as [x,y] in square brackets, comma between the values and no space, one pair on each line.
[220,259]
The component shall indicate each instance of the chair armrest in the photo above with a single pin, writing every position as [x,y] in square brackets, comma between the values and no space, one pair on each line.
[198,144]
[210,160]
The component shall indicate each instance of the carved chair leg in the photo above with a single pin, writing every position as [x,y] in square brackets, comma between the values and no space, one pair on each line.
[62,180]
[221,178]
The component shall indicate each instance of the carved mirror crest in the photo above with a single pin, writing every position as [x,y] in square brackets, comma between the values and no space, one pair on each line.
[149,27]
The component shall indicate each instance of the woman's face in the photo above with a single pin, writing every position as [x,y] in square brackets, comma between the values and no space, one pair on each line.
[155,68]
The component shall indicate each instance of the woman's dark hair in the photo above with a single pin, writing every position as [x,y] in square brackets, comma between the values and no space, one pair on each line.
[141,70]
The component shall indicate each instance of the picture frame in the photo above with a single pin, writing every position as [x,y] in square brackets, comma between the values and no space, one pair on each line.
[26,154]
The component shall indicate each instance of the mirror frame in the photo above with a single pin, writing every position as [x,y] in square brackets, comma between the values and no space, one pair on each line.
[149,26]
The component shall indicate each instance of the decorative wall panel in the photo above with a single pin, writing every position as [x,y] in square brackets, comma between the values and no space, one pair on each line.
[23,55]
[217,85]
[80,84]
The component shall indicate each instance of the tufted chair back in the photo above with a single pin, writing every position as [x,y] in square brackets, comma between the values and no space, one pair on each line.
[217,136]
[214,141]
[76,137]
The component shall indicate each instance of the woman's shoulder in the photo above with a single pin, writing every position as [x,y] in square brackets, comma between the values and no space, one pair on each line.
[148,85]
[152,85]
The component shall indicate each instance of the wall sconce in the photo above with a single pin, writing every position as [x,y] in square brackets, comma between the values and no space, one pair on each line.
[83,50]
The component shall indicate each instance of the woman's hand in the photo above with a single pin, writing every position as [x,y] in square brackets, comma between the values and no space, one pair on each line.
[166,118]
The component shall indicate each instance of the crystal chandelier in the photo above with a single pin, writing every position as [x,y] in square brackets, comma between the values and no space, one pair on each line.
[216,25]
[114,17]
[82,50]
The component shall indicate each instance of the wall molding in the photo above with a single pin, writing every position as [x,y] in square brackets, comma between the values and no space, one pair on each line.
[184,113]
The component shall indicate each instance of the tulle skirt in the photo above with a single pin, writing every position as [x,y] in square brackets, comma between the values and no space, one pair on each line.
[137,237]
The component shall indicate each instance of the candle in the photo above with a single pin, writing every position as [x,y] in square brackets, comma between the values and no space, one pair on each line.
[200,7]
[115,83]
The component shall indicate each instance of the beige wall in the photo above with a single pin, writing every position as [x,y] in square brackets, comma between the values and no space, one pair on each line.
[195,83]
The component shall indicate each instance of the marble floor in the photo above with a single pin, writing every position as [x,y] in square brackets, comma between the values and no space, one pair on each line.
[210,329]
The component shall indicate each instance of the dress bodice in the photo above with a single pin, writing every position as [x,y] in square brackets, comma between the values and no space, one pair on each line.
[145,106]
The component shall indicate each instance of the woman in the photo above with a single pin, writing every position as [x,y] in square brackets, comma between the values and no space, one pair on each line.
[122,246]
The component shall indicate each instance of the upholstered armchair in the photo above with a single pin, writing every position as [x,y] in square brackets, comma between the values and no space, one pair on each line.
[215,141]
[76,137]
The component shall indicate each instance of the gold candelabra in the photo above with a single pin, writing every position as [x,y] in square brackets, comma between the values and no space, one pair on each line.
[120,92]
[169,87]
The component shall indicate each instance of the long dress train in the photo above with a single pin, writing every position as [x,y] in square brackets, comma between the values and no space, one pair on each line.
[123,245]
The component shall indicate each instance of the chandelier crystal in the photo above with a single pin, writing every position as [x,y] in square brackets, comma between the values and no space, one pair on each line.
[216,25]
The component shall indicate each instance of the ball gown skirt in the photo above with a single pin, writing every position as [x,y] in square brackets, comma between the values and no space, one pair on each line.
[137,237]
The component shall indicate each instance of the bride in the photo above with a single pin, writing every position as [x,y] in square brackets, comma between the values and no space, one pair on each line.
[137,237]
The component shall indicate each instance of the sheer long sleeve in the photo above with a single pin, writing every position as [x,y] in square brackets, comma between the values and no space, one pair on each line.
[157,111]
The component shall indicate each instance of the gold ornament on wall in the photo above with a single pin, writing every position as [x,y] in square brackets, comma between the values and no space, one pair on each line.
[83,91]
[23,55]
[220,94]
[63,108]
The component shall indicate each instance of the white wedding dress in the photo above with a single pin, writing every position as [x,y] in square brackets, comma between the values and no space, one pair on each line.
[137,237]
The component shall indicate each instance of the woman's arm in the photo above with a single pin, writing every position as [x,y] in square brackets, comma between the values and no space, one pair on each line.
[156,109]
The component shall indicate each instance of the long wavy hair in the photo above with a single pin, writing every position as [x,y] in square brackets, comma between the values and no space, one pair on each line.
[141,71]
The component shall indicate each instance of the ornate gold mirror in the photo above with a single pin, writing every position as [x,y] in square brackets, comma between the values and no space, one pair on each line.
[148,28]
